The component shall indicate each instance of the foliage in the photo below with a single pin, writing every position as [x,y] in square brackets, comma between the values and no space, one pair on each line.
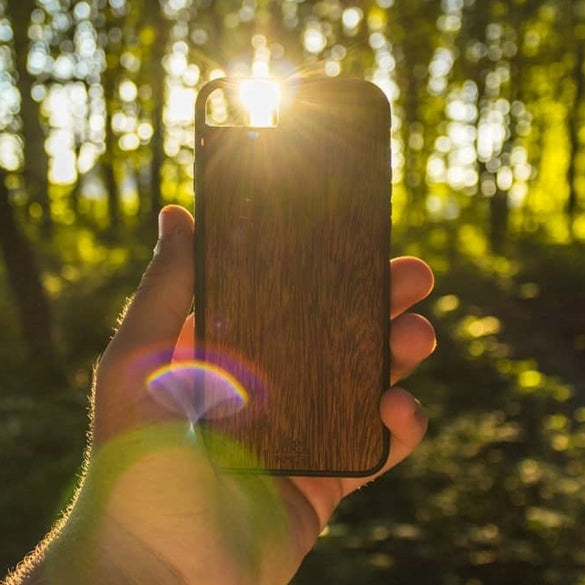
[96,133]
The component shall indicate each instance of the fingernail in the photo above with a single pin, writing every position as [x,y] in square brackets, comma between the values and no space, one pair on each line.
[164,224]
[163,230]
[420,413]
[167,225]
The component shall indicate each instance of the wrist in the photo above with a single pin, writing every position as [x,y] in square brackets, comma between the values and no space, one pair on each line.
[96,550]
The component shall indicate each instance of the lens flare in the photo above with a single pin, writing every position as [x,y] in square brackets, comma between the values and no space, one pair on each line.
[197,389]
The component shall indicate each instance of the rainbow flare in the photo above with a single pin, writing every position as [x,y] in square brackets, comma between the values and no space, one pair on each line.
[196,388]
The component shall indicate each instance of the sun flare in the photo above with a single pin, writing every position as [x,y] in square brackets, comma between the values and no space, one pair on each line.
[261,99]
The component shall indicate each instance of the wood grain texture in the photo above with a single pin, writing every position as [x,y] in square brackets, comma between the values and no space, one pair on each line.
[292,279]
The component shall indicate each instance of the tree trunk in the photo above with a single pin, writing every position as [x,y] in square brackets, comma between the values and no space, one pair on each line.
[158,78]
[29,295]
[110,155]
[574,127]
[498,221]
[35,157]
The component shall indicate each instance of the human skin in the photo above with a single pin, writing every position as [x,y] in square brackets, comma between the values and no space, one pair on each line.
[151,507]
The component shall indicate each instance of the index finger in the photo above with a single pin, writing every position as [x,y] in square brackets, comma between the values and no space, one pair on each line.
[411,280]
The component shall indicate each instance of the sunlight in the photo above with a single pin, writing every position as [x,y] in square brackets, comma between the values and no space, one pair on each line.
[261,98]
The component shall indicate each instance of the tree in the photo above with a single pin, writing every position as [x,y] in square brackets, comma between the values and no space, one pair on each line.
[28,294]
[35,158]
[575,22]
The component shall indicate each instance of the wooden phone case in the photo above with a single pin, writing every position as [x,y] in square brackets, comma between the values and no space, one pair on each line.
[292,303]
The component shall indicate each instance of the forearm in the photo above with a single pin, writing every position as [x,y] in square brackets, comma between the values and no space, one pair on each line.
[28,572]
[32,569]
[64,559]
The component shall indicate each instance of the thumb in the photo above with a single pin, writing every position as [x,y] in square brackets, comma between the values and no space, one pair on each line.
[165,294]
[150,327]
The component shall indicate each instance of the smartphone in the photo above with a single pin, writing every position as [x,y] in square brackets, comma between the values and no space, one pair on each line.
[292,285]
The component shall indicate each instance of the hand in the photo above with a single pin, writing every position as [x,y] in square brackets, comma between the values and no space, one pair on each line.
[151,508]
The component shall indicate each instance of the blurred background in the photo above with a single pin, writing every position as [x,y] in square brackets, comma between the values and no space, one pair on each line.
[488,146]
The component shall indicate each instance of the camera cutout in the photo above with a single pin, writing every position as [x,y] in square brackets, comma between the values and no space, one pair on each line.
[251,103]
